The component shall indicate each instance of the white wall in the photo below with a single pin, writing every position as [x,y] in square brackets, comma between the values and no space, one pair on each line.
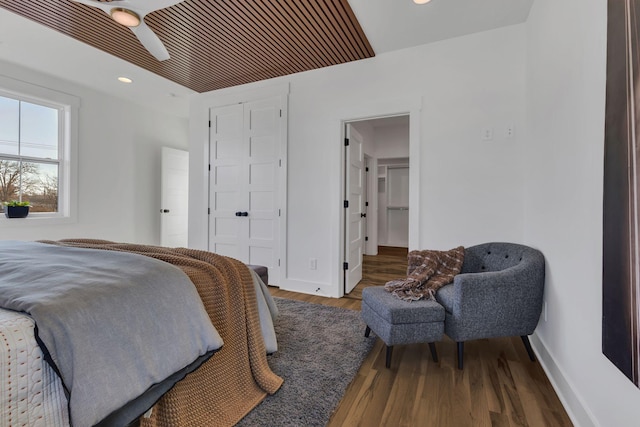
[566,63]
[473,189]
[118,169]
[366,130]
[392,141]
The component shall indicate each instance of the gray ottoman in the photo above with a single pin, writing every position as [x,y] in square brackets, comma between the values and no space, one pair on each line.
[262,271]
[402,322]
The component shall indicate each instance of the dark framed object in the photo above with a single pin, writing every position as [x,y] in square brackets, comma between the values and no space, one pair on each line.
[621,191]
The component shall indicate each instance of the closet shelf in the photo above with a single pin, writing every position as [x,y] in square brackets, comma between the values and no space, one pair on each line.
[398,208]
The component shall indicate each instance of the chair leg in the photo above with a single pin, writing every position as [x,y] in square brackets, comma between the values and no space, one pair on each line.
[389,351]
[527,345]
[460,354]
[367,332]
[434,352]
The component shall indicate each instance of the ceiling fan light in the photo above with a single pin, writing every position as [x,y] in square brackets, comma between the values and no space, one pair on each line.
[126,17]
[421,1]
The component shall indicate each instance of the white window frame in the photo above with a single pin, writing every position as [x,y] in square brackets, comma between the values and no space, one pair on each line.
[68,106]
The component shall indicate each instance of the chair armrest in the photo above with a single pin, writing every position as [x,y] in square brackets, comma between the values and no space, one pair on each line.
[514,293]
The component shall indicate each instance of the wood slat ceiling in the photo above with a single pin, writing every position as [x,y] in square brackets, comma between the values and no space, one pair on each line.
[218,43]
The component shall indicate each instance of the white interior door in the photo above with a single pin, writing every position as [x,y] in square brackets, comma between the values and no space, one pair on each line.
[262,134]
[365,206]
[244,183]
[174,198]
[227,186]
[354,216]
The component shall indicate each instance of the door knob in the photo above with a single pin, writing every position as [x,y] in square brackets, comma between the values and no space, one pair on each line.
[363,215]
[238,213]
[244,213]
[164,210]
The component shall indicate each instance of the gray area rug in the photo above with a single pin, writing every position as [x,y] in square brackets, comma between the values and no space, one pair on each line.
[320,349]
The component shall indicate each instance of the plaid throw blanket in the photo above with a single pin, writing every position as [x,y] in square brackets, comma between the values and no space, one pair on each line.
[427,272]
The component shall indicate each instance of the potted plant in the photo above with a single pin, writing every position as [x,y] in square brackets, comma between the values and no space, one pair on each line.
[16,209]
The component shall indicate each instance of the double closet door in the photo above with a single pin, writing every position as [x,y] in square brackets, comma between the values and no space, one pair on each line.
[245,182]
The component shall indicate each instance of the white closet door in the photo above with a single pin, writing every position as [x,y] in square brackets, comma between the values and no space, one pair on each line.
[262,136]
[244,182]
[228,185]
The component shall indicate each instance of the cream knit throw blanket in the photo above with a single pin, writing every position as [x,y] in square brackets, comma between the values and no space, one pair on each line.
[427,272]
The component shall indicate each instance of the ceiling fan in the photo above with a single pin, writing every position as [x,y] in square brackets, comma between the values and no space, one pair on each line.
[131,13]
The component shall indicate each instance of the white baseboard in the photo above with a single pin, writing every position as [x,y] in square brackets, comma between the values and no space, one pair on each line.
[310,288]
[579,413]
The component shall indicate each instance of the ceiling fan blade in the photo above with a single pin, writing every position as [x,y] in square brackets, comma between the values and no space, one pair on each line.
[147,6]
[150,41]
[105,6]
[141,7]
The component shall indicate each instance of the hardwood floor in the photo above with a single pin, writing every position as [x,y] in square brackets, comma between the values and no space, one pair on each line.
[389,264]
[499,385]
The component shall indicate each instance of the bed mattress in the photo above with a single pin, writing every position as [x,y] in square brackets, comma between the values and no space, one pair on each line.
[31,393]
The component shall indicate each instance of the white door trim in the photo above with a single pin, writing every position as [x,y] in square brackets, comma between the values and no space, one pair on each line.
[384,108]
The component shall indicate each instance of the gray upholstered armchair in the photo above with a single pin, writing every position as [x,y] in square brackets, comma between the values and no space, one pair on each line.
[498,293]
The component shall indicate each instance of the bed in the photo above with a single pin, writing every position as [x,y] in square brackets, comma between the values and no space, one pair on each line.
[152,349]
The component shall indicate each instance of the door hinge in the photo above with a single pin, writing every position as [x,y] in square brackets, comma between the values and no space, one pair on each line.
[278,262]
[280,162]
[209,167]
[366,169]
[280,113]
[209,123]
[346,142]
[366,203]
[346,204]
[279,212]
[366,238]
[345,265]
[208,211]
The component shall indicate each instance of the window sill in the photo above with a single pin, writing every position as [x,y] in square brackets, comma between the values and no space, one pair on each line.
[34,220]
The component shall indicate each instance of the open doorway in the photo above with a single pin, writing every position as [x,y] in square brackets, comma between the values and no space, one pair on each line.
[376,190]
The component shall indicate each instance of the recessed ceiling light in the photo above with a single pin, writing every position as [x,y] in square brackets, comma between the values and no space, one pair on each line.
[421,1]
[125,79]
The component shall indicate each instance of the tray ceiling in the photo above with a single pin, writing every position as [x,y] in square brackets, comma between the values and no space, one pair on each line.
[220,43]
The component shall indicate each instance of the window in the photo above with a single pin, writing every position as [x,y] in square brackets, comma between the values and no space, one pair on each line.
[36,138]
[29,153]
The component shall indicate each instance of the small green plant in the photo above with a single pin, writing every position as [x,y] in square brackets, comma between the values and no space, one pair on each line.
[16,203]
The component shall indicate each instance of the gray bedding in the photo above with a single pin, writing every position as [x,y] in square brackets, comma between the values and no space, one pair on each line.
[114,323]
[268,311]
